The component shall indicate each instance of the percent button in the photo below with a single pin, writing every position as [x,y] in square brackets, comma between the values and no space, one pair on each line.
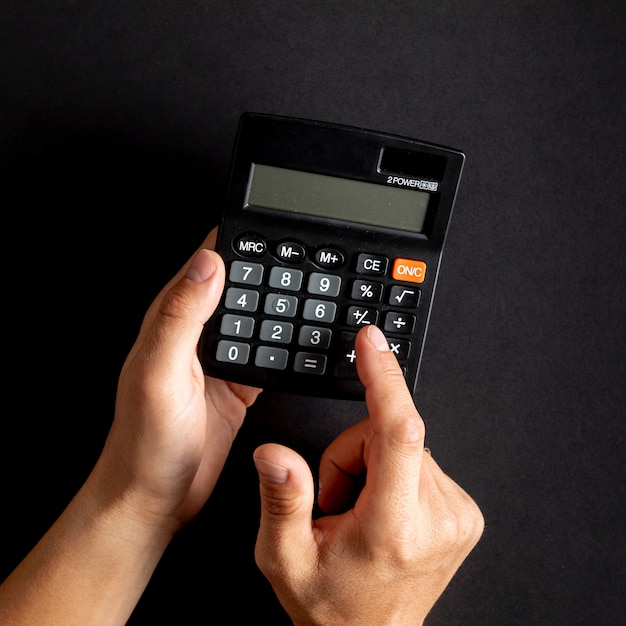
[366,290]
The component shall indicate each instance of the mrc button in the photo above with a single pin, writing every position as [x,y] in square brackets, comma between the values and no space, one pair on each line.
[250,245]
[409,270]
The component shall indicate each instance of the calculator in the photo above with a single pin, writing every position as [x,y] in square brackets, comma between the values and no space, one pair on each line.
[326,228]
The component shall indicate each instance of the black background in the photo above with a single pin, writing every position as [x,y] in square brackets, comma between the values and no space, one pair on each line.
[117,122]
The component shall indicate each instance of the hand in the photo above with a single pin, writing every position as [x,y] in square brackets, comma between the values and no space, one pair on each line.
[174,427]
[171,434]
[387,558]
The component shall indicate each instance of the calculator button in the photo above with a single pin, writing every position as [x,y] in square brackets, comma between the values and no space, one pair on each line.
[314,337]
[273,330]
[319,311]
[346,357]
[278,304]
[361,316]
[408,297]
[242,299]
[409,270]
[401,348]
[330,258]
[366,290]
[250,245]
[372,264]
[273,358]
[324,284]
[237,326]
[290,252]
[400,323]
[232,352]
[309,363]
[249,273]
[285,278]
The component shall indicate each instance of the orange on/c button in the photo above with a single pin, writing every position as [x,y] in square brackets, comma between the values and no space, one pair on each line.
[409,270]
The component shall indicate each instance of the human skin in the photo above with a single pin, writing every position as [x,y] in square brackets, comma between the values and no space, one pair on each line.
[385,559]
[388,557]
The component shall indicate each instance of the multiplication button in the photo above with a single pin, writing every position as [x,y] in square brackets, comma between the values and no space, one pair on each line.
[400,348]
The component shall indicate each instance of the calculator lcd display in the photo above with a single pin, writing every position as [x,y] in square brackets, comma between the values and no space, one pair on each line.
[336,198]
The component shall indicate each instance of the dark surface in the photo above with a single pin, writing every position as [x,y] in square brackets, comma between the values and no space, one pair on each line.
[117,121]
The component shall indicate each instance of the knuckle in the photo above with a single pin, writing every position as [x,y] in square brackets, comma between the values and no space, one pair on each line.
[175,304]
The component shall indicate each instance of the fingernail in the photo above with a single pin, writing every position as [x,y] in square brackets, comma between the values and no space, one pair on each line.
[272,473]
[377,338]
[202,267]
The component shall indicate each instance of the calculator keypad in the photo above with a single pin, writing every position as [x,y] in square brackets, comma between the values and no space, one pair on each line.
[300,309]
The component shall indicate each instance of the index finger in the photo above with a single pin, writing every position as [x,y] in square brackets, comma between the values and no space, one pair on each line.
[391,493]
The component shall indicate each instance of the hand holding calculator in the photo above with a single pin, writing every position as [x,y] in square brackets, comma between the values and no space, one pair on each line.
[327,228]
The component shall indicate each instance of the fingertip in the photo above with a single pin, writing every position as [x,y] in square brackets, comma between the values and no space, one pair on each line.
[377,338]
[272,473]
[375,361]
[202,266]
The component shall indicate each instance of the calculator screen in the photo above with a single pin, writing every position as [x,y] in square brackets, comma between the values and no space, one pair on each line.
[336,198]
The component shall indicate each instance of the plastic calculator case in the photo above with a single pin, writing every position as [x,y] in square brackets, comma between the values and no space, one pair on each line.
[326,228]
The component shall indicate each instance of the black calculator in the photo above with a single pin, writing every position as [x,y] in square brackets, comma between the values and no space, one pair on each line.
[326,228]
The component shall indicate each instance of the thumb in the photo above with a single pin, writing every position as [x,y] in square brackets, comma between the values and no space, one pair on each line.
[287,494]
[173,324]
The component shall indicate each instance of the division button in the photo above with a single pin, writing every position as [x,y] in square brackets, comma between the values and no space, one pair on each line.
[400,323]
